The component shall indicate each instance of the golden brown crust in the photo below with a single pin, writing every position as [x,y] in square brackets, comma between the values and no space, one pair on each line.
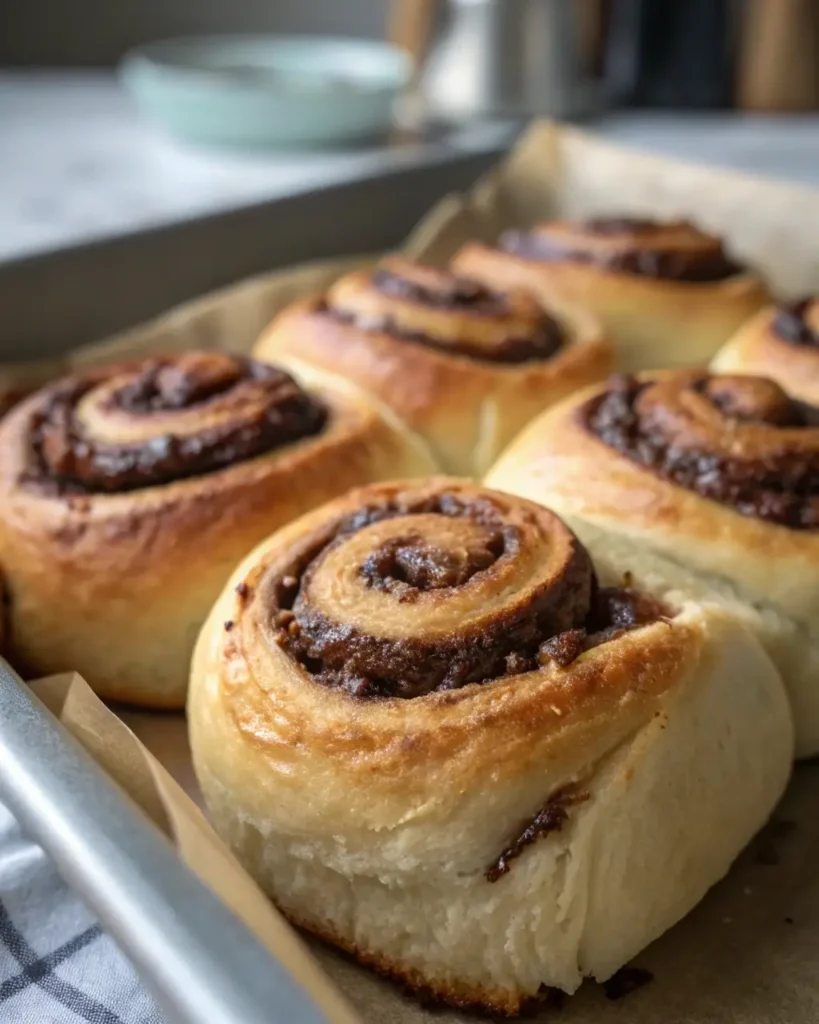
[115,585]
[759,348]
[653,321]
[419,380]
[469,998]
[438,742]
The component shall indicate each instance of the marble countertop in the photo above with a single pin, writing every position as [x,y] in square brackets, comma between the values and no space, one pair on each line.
[77,163]
[784,147]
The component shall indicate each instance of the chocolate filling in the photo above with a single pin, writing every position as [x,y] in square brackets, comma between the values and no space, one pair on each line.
[790,324]
[641,260]
[459,296]
[406,566]
[619,225]
[66,457]
[551,818]
[782,487]
[556,623]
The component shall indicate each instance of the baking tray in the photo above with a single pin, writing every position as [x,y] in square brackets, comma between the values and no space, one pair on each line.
[55,301]
[746,953]
[203,965]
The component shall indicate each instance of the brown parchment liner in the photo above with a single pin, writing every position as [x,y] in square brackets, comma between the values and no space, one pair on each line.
[748,952]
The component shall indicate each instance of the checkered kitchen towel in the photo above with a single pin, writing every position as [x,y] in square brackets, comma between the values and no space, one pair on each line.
[56,964]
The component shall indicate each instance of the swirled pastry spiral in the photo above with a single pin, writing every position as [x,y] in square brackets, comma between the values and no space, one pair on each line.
[715,475]
[667,293]
[463,364]
[780,342]
[128,494]
[447,740]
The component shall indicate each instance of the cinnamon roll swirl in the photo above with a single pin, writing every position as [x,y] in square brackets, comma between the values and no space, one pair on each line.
[713,480]
[411,709]
[129,493]
[781,342]
[668,294]
[463,364]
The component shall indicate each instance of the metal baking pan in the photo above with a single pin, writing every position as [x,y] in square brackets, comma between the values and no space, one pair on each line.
[73,296]
[201,962]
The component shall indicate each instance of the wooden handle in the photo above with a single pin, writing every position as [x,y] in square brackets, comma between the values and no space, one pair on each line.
[409,26]
[778,60]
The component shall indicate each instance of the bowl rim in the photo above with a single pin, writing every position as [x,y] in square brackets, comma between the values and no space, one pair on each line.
[158,57]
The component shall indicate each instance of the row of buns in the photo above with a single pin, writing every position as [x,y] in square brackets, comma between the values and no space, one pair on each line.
[468,354]
[489,739]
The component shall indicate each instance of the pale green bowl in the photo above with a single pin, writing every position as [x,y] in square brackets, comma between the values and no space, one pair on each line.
[267,91]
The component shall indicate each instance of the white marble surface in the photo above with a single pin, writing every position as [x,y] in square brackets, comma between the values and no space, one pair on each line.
[76,162]
[784,147]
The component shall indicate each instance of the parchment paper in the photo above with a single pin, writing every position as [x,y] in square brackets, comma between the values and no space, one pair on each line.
[563,172]
[749,952]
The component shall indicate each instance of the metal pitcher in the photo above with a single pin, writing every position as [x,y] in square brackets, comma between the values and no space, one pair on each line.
[507,58]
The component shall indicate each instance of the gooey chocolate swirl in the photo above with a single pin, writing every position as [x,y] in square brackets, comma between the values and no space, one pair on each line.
[738,440]
[452,314]
[798,323]
[127,427]
[674,251]
[432,589]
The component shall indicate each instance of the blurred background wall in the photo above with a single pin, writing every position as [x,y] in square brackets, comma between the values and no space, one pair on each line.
[752,54]
[86,32]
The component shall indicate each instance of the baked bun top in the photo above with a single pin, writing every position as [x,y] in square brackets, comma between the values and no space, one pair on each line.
[141,425]
[675,250]
[434,587]
[739,440]
[452,314]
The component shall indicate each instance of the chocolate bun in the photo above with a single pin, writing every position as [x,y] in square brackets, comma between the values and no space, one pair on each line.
[411,708]
[463,364]
[714,481]
[780,342]
[668,294]
[128,493]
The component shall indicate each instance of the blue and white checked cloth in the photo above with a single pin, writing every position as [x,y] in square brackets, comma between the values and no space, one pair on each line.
[56,964]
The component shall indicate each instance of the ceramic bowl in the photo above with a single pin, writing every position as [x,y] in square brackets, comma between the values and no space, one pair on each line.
[267,91]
